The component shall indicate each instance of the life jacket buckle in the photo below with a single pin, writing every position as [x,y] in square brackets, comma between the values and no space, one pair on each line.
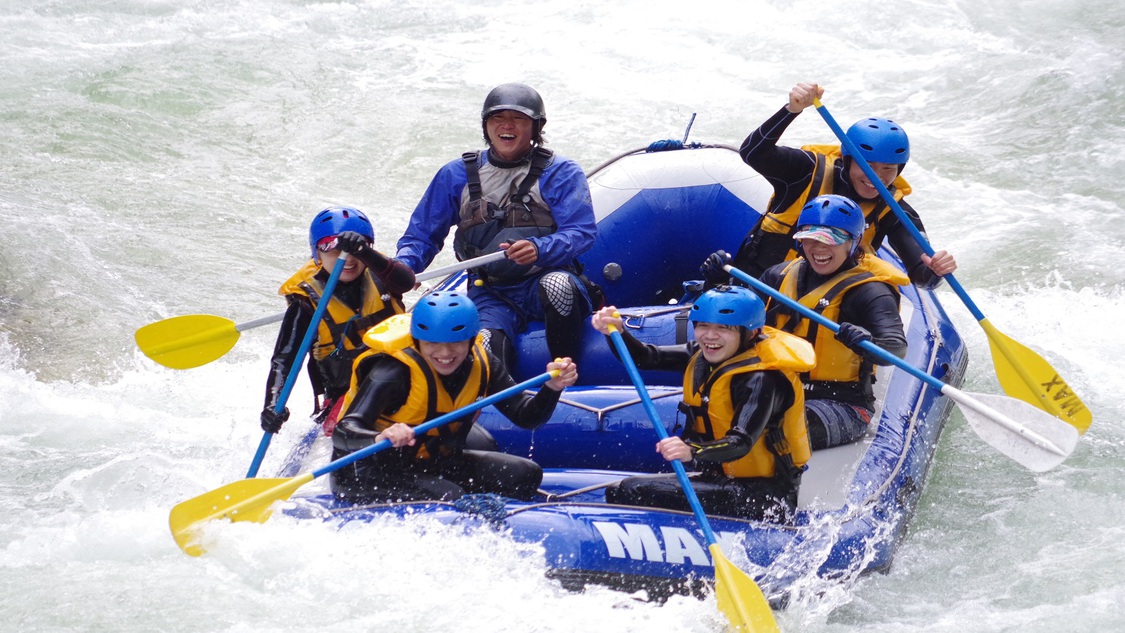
[497,212]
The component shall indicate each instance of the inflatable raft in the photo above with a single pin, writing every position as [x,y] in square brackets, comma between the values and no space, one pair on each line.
[659,215]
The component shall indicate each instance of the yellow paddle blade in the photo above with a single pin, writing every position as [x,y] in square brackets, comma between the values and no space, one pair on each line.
[1027,376]
[740,598]
[245,500]
[187,341]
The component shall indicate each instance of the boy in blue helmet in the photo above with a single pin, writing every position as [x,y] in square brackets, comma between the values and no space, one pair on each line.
[369,290]
[409,377]
[516,195]
[844,283]
[799,175]
[746,434]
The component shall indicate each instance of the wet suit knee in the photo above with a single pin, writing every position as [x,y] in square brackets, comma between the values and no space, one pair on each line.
[563,314]
[480,439]
[392,486]
[501,347]
[503,474]
[818,434]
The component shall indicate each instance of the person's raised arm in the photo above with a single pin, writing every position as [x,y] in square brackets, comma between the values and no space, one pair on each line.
[397,276]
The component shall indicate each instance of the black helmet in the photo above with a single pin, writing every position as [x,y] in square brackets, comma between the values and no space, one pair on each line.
[519,98]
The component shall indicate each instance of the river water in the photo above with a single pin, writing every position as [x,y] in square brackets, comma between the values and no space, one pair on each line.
[160,158]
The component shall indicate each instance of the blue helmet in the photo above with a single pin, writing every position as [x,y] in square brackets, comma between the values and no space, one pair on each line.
[444,317]
[334,221]
[879,140]
[729,305]
[837,212]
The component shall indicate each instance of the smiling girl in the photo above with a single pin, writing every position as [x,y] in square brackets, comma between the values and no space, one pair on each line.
[746,435]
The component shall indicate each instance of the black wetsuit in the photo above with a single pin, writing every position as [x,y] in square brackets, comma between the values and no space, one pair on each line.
[398,474]
[760,399]
[789,171]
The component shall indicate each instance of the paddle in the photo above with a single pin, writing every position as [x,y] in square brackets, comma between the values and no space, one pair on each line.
[738,596]
[192,340]
[250,499]
[1022,373]
[1040,443]
[189,341]
[299,360]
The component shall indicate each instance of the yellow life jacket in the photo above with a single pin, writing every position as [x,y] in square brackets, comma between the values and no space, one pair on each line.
[783,447]
[331,330]
[834,361]
[428,397]
[822,183]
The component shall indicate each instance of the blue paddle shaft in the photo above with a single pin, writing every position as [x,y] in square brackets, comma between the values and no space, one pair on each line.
[421,429]
[890,200]
[867,346]
[295,371]
[650,408]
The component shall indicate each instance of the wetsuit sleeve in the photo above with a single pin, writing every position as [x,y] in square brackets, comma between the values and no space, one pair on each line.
[528,412]
[397,277]
[436,213]
[647,356]
[298,317]
[383,388]
[564,188]
[874,306]
[787,169]
[759,398]
[908,249]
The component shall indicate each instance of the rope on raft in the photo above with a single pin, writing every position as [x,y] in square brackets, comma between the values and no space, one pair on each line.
[489,507]
[672,144]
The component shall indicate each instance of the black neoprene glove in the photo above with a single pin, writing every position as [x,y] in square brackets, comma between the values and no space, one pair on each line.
[852,335]
[271,421]
[712,268]
[352,243]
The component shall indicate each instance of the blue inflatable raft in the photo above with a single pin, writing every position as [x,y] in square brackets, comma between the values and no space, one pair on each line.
[659,215]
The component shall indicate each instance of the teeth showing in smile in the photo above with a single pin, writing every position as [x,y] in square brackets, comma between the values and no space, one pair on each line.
[508,137]
[821,259]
